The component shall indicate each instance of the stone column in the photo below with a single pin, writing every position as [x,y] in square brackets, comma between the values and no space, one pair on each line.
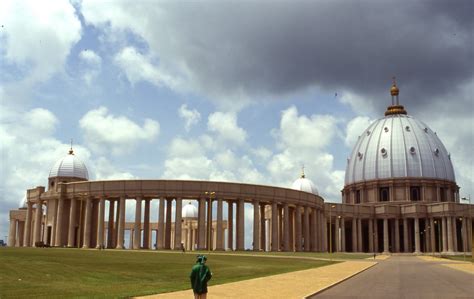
[464,234]
[137,227]
[469,233]
[444,238]
[202,224]
[59,222]
[405,235]
[160,236]
[286,227]
[307,242]
[29,215]
[359,235]
[256,225]
[343,234]
[209,224]
[240,225]
[376,235]
[131,239]
[71,236]
[354,235]
[121,224]
[274,245]
[219,234]
[432,235]
[87,223]
[230,225]
[449,229]
[371,235]
[314,230]
[337,236]
[385,236]
[20,234]
[169,203]
[100,224]
[262,227]
[52,208]
[417,235]
[110,224]
[397,235]
[298,236]
[146,224]
[12,233]
[177,225]
[455,235]
[324,232]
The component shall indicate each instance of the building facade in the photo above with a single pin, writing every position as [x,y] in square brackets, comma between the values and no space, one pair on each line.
[400,195]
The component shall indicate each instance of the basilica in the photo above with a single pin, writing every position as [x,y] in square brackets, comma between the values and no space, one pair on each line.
[400,196]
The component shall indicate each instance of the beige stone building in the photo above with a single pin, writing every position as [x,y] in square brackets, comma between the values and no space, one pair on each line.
[400,195]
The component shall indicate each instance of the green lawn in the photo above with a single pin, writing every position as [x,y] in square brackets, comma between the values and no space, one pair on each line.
[467,258]
[54,272]
[318,255]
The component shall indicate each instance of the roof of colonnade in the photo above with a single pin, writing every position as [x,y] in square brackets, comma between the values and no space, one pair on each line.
[187,189]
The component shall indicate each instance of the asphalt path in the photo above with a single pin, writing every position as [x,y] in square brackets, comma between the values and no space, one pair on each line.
[405,277]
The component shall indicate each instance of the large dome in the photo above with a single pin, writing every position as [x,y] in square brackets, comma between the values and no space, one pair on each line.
[304,184]
[398,146]
[69,166]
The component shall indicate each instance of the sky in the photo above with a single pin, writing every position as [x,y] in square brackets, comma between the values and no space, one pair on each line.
[240,91]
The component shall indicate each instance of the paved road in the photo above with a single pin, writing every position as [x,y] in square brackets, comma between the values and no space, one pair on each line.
[405,277]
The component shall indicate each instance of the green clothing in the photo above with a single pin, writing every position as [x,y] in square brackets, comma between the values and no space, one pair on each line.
[200,275]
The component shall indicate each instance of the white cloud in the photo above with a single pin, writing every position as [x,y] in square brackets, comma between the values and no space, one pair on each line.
[90,57]
[105,170]
[104,132]
[226,127]
[92,65]
[304,141]
[190,117]
[39,35]
[354,129]
[138,67]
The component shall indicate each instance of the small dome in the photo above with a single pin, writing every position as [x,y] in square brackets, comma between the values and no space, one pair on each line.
[189,211]
[69,166]
[304,184]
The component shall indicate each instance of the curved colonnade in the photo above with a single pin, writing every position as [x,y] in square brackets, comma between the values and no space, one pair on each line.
[75,215]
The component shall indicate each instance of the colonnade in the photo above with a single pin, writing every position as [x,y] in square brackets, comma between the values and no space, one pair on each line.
[80,222]
[444,234]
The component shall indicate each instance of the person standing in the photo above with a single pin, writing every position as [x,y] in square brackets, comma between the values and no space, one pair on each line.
[200,275]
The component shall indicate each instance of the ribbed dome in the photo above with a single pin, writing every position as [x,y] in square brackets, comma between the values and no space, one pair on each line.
[69,166]
[398,146]
[304,184]
[189,211]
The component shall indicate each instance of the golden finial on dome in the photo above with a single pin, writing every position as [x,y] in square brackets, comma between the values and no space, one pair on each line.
[302,172]
[394,90]
[71,152]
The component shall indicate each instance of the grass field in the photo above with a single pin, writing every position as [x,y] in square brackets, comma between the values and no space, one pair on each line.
[467,258]
[54,272]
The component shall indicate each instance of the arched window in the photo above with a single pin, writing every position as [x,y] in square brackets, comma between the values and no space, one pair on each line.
[384,194]
[357,196]
[415,194]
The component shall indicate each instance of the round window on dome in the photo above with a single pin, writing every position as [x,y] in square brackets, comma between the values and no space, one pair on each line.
[384,152]
[407,128]
[360,155]
[426,130]
[436,152]
[412,150]
[385,129]
[368,133]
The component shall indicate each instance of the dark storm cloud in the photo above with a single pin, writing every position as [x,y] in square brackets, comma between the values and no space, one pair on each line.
[274,48]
